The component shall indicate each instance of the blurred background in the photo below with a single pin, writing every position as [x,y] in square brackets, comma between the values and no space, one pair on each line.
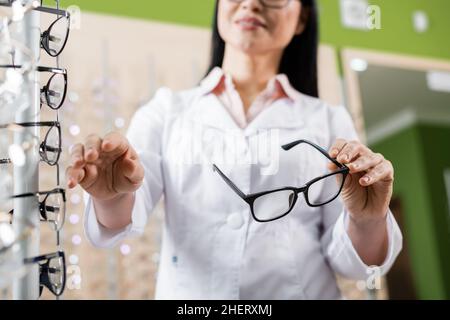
[387,61]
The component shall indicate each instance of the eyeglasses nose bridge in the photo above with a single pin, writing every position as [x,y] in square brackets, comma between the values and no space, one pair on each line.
[301,189]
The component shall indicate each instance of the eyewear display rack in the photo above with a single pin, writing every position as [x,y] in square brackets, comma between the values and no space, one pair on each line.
[25,209]
[23,120]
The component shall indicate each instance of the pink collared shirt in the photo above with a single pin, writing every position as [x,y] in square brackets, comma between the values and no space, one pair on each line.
[221,84]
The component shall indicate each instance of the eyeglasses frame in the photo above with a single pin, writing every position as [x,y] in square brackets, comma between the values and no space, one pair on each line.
[250,198]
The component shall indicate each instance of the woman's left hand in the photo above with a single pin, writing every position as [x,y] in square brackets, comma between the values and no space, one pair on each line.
[368,188]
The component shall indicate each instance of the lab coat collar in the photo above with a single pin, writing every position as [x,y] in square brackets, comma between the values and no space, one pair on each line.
[283,114]
[214,78]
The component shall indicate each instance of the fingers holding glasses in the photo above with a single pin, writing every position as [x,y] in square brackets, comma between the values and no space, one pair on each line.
[350,151]
[335,150]
[383,171]
[347,152]
[371,166]
[365,162]
[337,146]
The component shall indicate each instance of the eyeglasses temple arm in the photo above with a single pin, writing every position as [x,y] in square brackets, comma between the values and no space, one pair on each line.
[289,146]
[45,257]
[229,182]
[51,149]
[58,12]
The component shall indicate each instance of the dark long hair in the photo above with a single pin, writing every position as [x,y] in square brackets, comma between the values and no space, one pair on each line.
[299,61]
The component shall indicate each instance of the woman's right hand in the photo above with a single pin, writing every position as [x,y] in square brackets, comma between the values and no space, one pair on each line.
[105,167]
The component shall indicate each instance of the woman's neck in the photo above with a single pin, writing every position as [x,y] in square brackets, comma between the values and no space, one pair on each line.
[250,73]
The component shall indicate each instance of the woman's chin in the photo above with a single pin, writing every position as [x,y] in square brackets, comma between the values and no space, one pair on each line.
[250,47]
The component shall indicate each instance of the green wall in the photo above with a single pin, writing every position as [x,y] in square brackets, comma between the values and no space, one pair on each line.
[436,153]
[397,34]
[419,183]
[188,12]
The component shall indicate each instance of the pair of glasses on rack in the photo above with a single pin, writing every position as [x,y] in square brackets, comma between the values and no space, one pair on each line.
[49,149]
[54,38]
[274,204]
[51,203]
[53,41]
[52,207]
[52,266]
[52,272]
[53,93]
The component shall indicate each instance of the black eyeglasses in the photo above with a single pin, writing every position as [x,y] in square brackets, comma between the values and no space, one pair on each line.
[274,204]
[52,208]
[52,271]
[50,149]
[54,39]
[54,92]
[274,4]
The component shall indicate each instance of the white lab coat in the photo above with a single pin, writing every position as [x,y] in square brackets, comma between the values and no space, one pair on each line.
[211,246]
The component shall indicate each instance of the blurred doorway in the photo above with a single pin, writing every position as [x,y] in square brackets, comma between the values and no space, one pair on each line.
[384,92]
[400,106]
[400,281]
